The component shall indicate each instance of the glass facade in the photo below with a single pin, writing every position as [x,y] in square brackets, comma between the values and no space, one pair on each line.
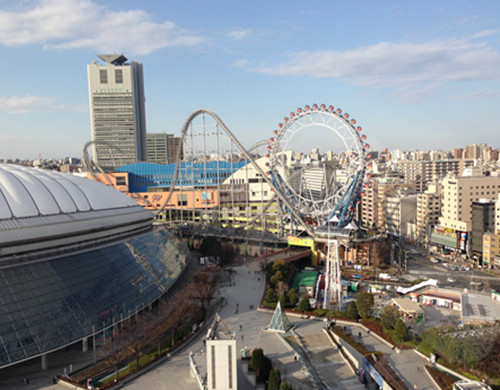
[143,176]
[49,304]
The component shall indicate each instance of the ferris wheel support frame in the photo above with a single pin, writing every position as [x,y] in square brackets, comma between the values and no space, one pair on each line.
[338,204]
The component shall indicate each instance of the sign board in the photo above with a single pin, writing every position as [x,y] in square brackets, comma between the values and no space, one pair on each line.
[368,368]
[298,241]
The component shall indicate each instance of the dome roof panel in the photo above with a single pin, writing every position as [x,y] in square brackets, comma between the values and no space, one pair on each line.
[81,202]
[4,208]
[44,200]
[101,196]
[62,197]
[17,196]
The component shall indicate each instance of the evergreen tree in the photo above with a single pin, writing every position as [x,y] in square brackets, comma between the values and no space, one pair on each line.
[304,305]
[364,303]
[400,331]
[256,359]
[283,299]
[293,297]
[271,296]
[274,379]
[352,311]
[388,317]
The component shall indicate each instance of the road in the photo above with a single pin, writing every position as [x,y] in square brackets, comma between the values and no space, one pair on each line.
[422,266]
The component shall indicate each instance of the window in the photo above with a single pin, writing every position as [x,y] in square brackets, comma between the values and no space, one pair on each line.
[213,367]
[121,181]
[182,200]
[119,76]
[230,368]
[103,75]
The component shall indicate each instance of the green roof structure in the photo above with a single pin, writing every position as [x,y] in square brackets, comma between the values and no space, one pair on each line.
[279,322]
[304,279]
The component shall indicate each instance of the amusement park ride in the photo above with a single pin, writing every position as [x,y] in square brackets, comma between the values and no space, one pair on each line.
[312,199]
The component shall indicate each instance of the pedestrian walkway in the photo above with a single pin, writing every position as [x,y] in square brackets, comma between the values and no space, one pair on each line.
[406,363]
[243,298]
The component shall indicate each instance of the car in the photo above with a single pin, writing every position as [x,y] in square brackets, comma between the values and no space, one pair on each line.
[450,280]
[433,260]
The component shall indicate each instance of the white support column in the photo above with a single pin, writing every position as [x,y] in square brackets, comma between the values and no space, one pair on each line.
[85,344]
[333,285]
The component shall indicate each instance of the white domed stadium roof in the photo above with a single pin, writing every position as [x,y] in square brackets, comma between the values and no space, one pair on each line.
[44,210]
[31,192]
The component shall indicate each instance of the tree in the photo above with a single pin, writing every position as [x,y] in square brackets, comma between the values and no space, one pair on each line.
[286,386]
[304,305]
[473,351]
[388,317]
[364,303]
[454,349]
[276,278]
[400,331]
[283,301]
[352,311]
[274,379]
[202,289]
[293,298]
[256,359]
[279,265]
[271,296]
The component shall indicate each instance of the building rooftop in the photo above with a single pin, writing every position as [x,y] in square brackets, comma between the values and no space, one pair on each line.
[218,330]
[114,59]
[305,278]
[407,305]
[480,307]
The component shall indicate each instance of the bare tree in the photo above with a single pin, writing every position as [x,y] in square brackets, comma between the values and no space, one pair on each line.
[202,289]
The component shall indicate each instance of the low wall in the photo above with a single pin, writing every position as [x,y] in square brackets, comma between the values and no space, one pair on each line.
[441,367]
[353,356]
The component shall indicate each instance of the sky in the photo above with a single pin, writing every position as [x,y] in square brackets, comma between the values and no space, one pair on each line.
[416,75]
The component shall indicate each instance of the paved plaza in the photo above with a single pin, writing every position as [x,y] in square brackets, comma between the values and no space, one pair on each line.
[243,297]
[307,360]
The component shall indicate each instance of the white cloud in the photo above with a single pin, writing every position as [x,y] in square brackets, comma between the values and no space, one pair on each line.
[485,33]
[67,24]
[30,103]
[399,65]
[240,63]
[239,34]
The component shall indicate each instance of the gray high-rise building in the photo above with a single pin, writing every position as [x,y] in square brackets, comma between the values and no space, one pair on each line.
[117,111]
[162,148]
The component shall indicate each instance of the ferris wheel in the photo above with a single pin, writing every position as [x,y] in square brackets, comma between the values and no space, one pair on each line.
[320,190]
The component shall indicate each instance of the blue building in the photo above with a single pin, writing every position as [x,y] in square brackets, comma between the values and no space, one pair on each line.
[144,176]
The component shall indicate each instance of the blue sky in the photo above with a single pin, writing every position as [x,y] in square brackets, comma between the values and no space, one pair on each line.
[415,74]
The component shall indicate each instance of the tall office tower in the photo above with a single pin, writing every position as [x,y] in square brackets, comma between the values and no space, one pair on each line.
[117,111]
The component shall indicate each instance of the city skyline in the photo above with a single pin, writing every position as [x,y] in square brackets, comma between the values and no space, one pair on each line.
[415,76]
